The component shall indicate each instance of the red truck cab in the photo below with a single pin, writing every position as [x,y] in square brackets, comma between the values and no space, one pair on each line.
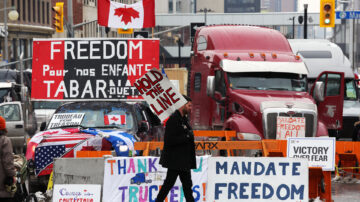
[247,79]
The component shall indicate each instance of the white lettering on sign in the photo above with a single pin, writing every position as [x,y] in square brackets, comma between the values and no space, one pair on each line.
[85,50]
[290,127]
[47,71]
[53,50]
[93,89]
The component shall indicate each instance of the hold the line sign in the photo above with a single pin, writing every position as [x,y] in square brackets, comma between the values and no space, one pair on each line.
[161,95]
[73,69]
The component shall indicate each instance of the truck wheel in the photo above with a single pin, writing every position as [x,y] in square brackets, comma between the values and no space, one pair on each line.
[132,181]
[138,183]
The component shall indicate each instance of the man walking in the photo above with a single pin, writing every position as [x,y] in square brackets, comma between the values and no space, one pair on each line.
[178,153]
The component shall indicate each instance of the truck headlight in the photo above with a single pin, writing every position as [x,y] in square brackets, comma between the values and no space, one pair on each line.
[247,136]
[123,148]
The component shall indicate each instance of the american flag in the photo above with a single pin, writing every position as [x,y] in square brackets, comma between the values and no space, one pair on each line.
[36,139]
[57,146]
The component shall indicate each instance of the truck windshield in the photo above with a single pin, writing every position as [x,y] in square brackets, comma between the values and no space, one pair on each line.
[101,114]
[267,81]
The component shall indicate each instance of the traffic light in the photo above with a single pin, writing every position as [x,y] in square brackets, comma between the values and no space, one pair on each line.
[327,13]
[59,16]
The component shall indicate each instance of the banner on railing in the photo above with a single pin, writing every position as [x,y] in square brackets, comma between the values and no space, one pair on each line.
[257,179]
[139,179]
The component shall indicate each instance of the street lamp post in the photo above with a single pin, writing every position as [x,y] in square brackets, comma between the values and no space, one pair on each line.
[13,15]
[293,26]
[305,20]
[205,10]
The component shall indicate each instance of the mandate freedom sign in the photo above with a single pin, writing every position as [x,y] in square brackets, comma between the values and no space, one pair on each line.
[257,179]
[319,151]
[91,68]
[139,179]
[161,95]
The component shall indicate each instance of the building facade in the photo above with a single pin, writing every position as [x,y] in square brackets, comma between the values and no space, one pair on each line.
[34,21]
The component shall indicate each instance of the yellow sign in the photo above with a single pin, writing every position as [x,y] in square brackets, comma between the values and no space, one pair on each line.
[51,182]
[125,31]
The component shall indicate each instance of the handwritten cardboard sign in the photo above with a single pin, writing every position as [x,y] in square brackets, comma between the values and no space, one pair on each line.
[66,119]
[76,192]
[290,127]
[140,178]
[257,179]
[161,95]
[319,151]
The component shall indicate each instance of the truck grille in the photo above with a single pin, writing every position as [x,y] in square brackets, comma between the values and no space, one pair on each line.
[270,132]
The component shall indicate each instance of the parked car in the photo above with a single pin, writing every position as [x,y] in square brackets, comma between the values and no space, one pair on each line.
[16,108]
[44,110]
[89,125]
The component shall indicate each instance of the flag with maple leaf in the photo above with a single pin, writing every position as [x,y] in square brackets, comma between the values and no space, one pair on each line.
[117,15]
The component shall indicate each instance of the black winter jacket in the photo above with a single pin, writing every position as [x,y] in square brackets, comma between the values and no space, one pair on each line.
[179,147]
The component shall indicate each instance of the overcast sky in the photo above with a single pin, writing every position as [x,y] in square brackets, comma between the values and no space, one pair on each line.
[313,5]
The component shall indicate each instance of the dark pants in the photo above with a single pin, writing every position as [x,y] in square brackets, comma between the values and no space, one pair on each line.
[7,200]
[355,133]
[171,176]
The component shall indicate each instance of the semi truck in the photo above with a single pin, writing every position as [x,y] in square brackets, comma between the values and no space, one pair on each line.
[247,79]
[322,55]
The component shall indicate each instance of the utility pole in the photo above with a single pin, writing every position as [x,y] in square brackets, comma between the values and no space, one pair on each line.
[293,26]
[305,20]
[70,23]
[180,44]
[6,56]
[205,10]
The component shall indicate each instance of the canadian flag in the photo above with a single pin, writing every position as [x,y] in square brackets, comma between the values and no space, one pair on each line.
[114,119]
[117,15]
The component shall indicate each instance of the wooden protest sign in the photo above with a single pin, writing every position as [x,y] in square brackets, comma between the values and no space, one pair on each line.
[161,95]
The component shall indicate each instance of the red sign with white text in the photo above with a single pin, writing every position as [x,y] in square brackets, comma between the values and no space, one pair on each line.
[91,68]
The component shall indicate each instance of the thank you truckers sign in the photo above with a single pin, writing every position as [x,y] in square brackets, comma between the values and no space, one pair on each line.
[257,179]
[91,68]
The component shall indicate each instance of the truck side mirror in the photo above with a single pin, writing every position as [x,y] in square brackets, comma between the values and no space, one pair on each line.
[319,91]
[210,86]
[42,126]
